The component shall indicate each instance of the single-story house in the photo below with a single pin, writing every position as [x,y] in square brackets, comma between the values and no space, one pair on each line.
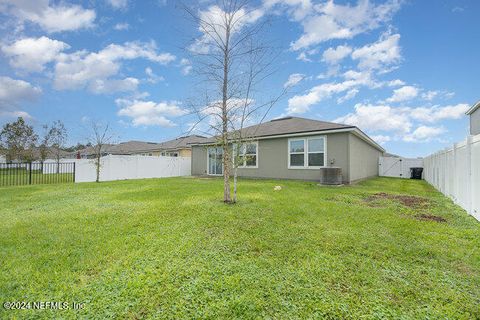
[295,148]
[179,147]
[474,113]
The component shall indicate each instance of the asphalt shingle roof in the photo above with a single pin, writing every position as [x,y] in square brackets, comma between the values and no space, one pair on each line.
[287,125]
[142,146]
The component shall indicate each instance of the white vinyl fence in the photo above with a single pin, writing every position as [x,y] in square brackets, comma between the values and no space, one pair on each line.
[397,167]
[455,172]
[132,167]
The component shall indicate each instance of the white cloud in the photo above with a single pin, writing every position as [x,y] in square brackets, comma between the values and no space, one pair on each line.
[31,54]
[458,9]
[335,55]
[381,139]
[149,113]
[429,95]
[186,66]
[326,21]
[437,113]
[378,118]
[152,77]
[378,55]
[298,9]
[424,134]
[353,79]
[395,83]
[15,114]
[350,95]
[51,17]
[118,4]
[13,91]
[108,86]
[403,94]
[293,80]
[401,120]
[86,69]
[211,23]
[121,26]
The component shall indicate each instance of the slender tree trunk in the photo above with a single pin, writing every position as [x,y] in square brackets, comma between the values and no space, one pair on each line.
[226,158]
[98,168]
[235,178]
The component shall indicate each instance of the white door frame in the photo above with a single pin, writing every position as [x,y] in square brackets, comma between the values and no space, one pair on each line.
[208,161]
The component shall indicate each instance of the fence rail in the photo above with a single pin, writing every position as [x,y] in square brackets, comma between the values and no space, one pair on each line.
[455,172]
[17,174]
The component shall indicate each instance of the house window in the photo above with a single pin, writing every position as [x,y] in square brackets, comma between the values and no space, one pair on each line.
[306,153]
[247,155]
[297,153]
[316,152]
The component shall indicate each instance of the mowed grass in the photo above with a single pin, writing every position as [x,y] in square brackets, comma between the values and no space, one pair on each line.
[22,177]
[169,248]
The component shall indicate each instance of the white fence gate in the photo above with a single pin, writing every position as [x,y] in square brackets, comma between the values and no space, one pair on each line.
[132,167]
[455,172]
[397,167]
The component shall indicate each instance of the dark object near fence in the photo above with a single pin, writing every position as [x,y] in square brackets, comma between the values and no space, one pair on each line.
[416,173]
[17,174]
[331,176]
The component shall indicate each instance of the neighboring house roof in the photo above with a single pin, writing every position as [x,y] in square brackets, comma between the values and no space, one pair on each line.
[91,150]
[291,126]
[51,153]
[130,147]
[473,108]
[182,142]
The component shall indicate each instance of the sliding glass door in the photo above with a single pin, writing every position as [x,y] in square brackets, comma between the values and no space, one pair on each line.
[215,155]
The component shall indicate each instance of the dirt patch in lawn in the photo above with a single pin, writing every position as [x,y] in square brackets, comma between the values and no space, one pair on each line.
[408,201]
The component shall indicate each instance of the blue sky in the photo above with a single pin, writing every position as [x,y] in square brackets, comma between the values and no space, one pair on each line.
[405,72]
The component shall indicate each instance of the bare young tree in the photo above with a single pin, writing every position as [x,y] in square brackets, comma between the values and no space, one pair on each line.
[44,144]
[101,136]
[232,60]
[54,140]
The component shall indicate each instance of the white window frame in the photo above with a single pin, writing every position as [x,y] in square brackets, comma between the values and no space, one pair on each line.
[244,150]
[306,152]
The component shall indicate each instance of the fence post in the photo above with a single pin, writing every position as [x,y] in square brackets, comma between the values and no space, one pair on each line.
[74,171]
[30,173]
[456,184]
[469,177]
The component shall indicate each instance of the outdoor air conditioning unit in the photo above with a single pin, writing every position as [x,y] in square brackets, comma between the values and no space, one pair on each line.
[331,175]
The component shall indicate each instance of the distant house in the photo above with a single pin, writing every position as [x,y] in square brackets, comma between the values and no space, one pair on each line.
[295,148]
[36,154]
[474,114]
[179,147]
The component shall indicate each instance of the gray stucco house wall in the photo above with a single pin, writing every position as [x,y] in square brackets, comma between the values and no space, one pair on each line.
[357,158]
[475,122]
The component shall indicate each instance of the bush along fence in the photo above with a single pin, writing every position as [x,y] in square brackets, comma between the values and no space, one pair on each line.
[455,172]
[113,167]
[17,174]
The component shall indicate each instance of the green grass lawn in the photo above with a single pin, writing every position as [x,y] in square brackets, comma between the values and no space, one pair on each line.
[169,248]
[22,177]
